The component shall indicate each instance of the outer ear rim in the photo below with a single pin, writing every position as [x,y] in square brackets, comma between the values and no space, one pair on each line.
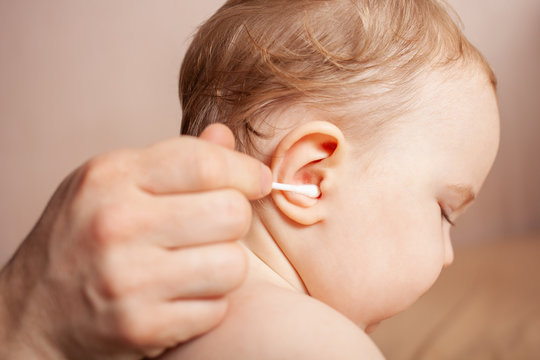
[299,208]
[312,127]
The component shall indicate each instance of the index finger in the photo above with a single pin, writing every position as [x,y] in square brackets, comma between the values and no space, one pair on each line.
[189,164]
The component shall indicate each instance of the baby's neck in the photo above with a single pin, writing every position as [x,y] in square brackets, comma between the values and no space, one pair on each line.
[267,262]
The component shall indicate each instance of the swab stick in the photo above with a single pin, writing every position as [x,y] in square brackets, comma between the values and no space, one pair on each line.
[309,190]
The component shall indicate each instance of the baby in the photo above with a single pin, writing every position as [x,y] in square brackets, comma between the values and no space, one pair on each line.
[391,112]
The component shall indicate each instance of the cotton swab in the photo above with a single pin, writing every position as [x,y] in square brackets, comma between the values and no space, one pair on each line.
[309,190]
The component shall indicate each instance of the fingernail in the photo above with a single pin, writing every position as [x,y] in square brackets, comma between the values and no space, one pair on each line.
[266,180]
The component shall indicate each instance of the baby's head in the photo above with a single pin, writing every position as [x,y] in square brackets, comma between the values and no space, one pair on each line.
[382,104]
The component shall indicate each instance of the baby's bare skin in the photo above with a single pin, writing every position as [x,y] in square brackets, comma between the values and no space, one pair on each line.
[269,319]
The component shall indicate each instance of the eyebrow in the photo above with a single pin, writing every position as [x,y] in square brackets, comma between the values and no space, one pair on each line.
[466,193]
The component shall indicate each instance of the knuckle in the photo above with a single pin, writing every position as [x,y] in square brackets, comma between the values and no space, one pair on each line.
[132,327]
[111,277]
[96,180]
[117,285]
[236,212]
[97,170]
[111,223]
[118,220]
[108,287]
[105,168]
[116,276]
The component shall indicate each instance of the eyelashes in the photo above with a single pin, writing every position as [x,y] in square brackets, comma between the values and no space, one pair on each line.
[445,216]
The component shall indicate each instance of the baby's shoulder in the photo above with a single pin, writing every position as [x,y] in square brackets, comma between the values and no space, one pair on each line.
[268,322]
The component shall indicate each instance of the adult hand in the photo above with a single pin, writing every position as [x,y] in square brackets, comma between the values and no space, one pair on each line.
[134,253]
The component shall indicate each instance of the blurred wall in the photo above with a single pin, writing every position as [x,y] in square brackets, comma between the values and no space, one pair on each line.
[508,33]
[82,77]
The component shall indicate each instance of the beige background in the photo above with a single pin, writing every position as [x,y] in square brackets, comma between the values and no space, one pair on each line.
[81,77]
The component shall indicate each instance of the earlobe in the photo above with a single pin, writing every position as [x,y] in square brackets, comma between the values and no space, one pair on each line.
[312,153]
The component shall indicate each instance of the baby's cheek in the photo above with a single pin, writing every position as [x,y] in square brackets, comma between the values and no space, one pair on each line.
[424,273]
[415,275]
[425,255]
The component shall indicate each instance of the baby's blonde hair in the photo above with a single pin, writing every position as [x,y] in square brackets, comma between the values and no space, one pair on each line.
[255,56]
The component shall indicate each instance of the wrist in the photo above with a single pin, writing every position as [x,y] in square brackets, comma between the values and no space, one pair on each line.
[10,337]
[6,319]
[19,337]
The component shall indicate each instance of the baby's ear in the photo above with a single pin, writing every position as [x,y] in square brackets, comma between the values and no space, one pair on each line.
[313,153]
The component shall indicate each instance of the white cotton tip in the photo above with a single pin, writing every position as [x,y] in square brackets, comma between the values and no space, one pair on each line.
[309,190]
